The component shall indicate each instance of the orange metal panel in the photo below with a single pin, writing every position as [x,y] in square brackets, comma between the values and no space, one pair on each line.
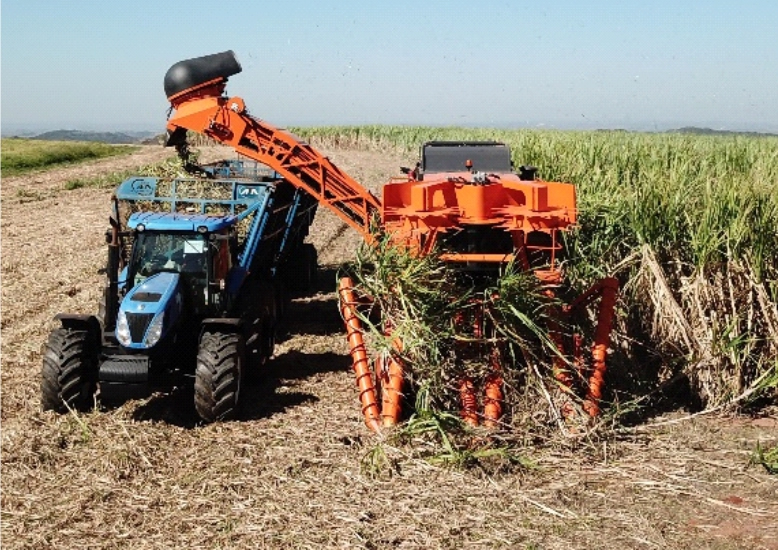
[493,258]
[224,119]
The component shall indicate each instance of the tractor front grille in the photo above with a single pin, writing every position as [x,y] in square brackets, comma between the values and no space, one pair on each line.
[138,322]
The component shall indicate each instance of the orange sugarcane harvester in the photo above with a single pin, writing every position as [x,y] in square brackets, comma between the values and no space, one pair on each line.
[463,198]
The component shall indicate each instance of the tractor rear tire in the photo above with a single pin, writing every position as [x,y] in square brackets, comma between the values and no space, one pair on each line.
[311,264]
[268,340]
[69,371]
[259,351]
[259,311]
[303,268]
[218,375]
[281,299]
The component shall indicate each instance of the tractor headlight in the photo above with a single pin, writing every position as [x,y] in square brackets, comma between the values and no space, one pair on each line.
[123,329]
[154,332]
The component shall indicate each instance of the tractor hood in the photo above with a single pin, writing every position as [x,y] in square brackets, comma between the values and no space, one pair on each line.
[149,311]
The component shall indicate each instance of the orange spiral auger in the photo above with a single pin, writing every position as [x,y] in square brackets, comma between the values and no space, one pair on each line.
[493,394]
[559,364]
[469,401]
[609,292]
[391,378]
[360,363]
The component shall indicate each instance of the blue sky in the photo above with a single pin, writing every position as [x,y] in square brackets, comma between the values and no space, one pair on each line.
[567,64]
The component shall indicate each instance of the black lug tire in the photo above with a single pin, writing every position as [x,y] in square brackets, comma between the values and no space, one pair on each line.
[280,297]
[260,350]
[268,346]
[312,265]
[259,312]
[218,376]
[302,268]
[69,371]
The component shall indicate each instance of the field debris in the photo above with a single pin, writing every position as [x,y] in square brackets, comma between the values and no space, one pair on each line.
[300,469]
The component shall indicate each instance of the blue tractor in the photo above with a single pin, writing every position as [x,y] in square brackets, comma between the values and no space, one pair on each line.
[197,274]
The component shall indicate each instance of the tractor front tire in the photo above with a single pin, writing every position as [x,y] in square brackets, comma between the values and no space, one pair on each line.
[218,376]
[69,371]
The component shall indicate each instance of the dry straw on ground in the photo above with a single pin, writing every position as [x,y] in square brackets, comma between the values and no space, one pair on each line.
[290,473]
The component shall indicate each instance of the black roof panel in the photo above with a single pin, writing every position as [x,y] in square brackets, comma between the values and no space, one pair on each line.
[450,156]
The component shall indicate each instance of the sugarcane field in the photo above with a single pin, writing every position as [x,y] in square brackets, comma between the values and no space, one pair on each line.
[408,275]
[678,457]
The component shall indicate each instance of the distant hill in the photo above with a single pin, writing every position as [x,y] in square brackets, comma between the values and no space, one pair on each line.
[153,138]
[712,132]
[104,137]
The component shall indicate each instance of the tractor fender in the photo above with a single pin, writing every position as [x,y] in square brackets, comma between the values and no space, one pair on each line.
[224,324]
[76,321]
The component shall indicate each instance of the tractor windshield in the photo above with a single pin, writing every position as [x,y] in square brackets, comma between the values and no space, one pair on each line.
[179,252]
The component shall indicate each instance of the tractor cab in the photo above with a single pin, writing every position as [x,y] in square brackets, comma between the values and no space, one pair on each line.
[178,264]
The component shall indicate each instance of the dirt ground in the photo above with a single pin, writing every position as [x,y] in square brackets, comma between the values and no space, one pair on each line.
[289,472]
